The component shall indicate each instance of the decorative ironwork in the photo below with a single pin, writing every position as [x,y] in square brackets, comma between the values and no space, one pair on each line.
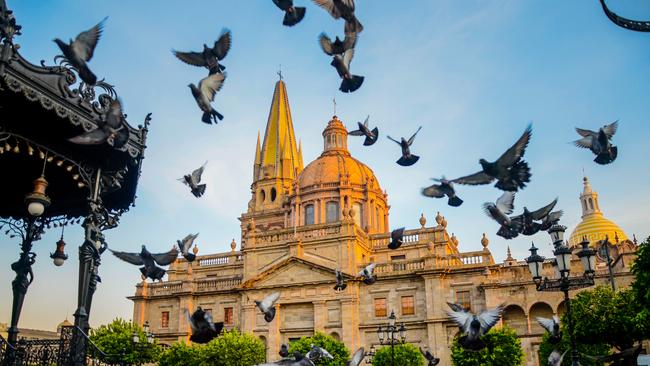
[635,25]
[560,284]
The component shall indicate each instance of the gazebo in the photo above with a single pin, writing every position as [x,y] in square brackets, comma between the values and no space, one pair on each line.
[49,181]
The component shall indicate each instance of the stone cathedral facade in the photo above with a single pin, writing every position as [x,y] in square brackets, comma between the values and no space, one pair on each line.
[304,222]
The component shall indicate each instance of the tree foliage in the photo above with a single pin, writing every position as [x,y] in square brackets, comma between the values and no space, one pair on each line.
[180,354]
[592,349]
[502,348]
[641,284]
[336,348]
[405,354]
[116,340]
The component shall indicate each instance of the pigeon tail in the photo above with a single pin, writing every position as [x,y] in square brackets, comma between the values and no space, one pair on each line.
[86,75]
[531,229]
[353,26]
[607,157]
[394,244]
[408,160]
[155,273]
[370,280]
[199,190]
[508,232]
[340,287]
[371,140]
[294,17]
[213,115]
[190,257]
[269,315]
[352,84]
[454,201]
[519,175]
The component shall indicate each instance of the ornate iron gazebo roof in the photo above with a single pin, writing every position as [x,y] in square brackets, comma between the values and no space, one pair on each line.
[41,107]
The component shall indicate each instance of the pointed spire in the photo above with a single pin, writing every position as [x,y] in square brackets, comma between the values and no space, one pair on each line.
[258,156]
[589,200]
[300,162]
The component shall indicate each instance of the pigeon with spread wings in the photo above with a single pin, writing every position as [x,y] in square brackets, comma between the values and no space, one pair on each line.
[185,244]
[509,170]
[552,326]
[292,14]
[475,326]
[445,188]
[341,62]
[499,212]
[342,9]
[111,130]
[149,261]
[367,274]
[210,56]
[204,96]
[203,327]
[81,50]
[364,130]
[526,221]
[600,143]
[193,181]
[340,282]
[337,47]
[407,158]
[396,238]
[267,306]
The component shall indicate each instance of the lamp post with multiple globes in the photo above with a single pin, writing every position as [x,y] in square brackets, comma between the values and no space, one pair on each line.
[564,283]
[391,335]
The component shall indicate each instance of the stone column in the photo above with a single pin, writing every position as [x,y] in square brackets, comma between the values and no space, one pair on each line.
[350,322]
[320,315]
[274,338]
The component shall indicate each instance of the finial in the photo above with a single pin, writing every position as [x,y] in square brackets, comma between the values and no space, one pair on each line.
[233,244]
[195,250]
[280,71]
[485,241]
[454,239]
[438,218]
[444,222]
[634,239]
[334,101]
[423,220]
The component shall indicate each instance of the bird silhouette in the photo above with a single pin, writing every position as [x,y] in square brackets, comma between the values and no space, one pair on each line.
[364,130]
[204,96]
[81,50]
[340,282]
[367,274]
[407,158]
[499,212]
[149,261]
[210,56]
[341,62]
[193,181]
[475,326]
[267,306]
[337,47]
[599,142]
[526,221]
[396,238]
[431,359]
[292,14]
[509,170]
[342,9]
[445,188]
[185,244]
[111,130]
[552,326]
[204,329]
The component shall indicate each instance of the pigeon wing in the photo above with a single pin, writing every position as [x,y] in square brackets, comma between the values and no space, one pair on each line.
[222,45]
[356,133]
[94,137]
[114,115]
[461,318]
[348,55]
[544,211]
[474,179]
[506,203]
[456,307]
[585,142]
[84,44]
[325,44]
[211,84]
[370,268]
[610,129]
[586,133]
[329,6]
[412,138]
[187,242]
[191,58]
[357,357]
[208,318]
[350,41]
[133,258]
[196,174]
[395,141]
[489,318]
[397,234]
[516,151]
[433,191]
[164,259]
[190,321]
[546,323]
[270,300]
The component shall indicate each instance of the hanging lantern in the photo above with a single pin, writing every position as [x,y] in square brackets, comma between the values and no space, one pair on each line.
[37,200]
[59,256]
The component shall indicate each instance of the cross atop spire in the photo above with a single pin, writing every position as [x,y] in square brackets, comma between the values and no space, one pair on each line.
[280,71]
[334,102]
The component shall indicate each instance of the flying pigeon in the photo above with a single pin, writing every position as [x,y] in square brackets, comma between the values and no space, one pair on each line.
[341,63]
[475,326]
[526,221]
[368,277]
[510,171]
[316,353]
[618,358]
[555,358]
[267,306]
[396,238]
[552,326]
[111,130]
[407,158]
[342,9]
[185,246]
[80,51]
[499,212]
[431,359]
[340,282]
[357,357]
[550,220]
[209,57]
[337,47]
[204,95]
[193,180]
[599,142]
[364,130]
[445,188]
[284,350]
[204,329]
[292,14]
[149,260]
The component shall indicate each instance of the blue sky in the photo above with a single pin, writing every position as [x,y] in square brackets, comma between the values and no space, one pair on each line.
[473,73]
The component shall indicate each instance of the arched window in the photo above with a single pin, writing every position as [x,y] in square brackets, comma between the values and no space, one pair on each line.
[274,194]
[309,214]
[542,310]
[378,218]
[332,208]
[262,195]
[591,203]
[358,213]
[515,318]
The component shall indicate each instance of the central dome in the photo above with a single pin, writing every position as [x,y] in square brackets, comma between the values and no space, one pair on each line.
[336,165]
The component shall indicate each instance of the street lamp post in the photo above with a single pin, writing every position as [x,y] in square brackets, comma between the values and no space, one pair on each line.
[564,283]
[391,334]
[370,354]
[138,344]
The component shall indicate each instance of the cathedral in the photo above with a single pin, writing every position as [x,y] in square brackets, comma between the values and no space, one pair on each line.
[303,223]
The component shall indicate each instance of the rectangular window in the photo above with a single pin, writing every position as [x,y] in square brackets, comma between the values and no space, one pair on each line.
[227,316]
[309,215]
[397,257]
[164,319]
[408,306]
[464,299]
[332,212]
[380,308]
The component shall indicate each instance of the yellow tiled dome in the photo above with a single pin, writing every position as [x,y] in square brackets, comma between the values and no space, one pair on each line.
[594,226]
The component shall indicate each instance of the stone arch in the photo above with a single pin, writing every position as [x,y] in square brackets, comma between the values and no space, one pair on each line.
[274,194]
[539,309]
[561,308]
[336,336]
[515,317]
[263,339]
